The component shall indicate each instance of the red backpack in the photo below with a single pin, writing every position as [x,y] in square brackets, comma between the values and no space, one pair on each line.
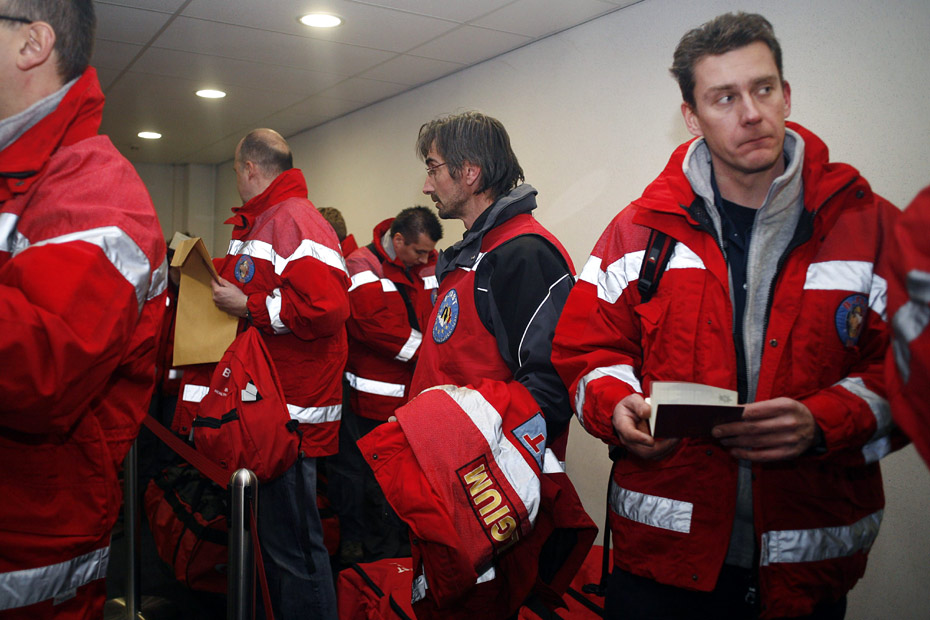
[240,418]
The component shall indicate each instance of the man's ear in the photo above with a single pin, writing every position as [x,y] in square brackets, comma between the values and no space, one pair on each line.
[398,241]
[37,46]
[691,119]
[471,174]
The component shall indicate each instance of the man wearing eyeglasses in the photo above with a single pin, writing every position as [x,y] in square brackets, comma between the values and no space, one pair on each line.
[82,292]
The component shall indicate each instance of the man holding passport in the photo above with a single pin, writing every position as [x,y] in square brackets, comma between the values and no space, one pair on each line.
[762,275]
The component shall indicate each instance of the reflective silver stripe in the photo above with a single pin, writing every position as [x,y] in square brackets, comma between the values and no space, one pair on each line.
[612,281]
[624,372]
[307,248]
[911,320]
[315,415]
[430,282]
[159,282]
[120,250]
[418,589]
[487,575]
[273,305]
[174,373]
[26,587]
[880,409]
[815,545]
[11,240]
[511,463]
[362,278]
[371,386]
[410,347]
[551,463]
[849,275]
[195,393]
[662,512]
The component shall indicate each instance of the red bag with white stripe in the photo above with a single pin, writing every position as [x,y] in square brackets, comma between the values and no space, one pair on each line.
[239,419]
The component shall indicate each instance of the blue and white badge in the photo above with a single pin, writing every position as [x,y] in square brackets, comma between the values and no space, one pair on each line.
[245,269]
[532,434]
[447,317]
[850,319]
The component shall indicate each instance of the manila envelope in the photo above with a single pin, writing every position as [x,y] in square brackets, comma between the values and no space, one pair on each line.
[202,332]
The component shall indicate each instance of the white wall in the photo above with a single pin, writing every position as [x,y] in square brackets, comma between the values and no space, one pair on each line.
[593,117]
[184,198]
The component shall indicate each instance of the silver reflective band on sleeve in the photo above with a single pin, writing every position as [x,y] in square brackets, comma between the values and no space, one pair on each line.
[307,247]
[174,373]
[430,282]
[315,415]
[911,320]
[362,278]
[880,409]
[849,275]
[11,240]
[613,280]
[22,588]
[120,250]
[273,305]
[370,386]
[159,281]
[624,372]
[662,512]
[815,545]
[194,393]
[410,347]
[552,464]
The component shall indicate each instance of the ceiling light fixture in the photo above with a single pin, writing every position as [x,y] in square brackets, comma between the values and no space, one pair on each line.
[320,20]
[149,135]
[209,93]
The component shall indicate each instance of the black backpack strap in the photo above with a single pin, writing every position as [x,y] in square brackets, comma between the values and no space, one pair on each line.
[658,251]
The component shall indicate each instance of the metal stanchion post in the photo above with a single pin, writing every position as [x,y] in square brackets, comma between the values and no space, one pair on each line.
[242,485]
[131,522]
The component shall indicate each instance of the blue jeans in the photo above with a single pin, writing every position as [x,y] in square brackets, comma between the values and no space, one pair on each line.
[299,589]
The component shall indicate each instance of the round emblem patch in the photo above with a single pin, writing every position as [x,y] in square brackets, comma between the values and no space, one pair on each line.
[850,319]
[446,317]
[245,269]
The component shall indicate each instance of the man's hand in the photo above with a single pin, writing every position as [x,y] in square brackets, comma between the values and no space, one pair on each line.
[229,298]
[631,423]
[771,430]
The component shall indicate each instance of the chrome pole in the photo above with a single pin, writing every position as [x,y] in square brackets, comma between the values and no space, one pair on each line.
[131,523]
[243,485]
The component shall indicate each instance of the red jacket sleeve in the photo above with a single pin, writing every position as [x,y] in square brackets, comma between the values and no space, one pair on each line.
[379,316]
[68,314]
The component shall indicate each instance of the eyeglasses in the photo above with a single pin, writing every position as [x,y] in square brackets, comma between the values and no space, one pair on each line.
[431,170]
[22,20]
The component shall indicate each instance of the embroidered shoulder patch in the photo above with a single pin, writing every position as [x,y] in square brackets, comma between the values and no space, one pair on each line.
[850,319]
[245,269]
[447,317]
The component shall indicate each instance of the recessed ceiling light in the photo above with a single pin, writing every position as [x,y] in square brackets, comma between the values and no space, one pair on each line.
[209,93]
[149,135]
[320,20]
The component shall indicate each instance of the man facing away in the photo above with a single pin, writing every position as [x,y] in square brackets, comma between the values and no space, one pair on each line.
[391,298]
[82,292]
[502,287]
[777,254]
[285,275]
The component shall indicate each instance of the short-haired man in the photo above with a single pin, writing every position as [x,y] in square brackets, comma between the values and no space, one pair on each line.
[391,298]
[285,275]
[775,255]
[346,240]
[82,292]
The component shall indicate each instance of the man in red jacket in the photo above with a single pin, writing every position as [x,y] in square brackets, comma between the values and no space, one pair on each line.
[393,285]
[774,289]
[82,292]
[284,274]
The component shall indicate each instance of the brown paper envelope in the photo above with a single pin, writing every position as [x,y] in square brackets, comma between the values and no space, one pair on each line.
[202,331]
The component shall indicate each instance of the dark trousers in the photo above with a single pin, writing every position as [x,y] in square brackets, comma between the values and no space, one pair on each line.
[631,597]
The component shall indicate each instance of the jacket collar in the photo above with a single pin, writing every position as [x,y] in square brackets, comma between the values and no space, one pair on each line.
[288,184]
[521,199]
[77,117]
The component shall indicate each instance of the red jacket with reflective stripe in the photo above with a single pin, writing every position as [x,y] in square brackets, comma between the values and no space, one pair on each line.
[908,364]
[383,347]
[286,258]
[82,281]
[824,345]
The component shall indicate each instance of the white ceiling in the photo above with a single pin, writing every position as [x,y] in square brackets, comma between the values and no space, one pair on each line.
[152,55]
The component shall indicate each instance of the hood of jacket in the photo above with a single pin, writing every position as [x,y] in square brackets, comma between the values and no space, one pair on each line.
[288,184]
